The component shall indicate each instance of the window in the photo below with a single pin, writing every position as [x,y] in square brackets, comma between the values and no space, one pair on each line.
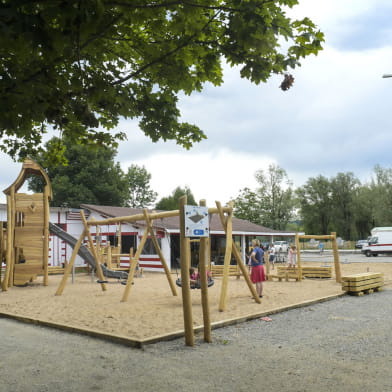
[149,248]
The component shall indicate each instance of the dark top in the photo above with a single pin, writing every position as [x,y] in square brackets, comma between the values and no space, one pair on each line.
[259,256]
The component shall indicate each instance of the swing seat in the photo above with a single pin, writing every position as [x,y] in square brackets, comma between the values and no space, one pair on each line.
[102,281]
[210,282]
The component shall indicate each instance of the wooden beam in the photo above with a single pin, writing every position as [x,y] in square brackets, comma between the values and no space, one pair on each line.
[238,258]
[316,237]
[152,215]
[93,251]
[185,279]
[297,245]
[226,264]
[132,267]
[203,260]
[336,258]
[46,197]
[69,266]
[160,254]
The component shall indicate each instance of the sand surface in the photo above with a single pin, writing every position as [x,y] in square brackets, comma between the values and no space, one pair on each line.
[152,310]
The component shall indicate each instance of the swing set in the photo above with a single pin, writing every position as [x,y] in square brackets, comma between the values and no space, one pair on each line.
[225,214]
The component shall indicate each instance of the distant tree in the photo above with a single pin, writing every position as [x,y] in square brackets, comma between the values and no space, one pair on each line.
[81,66]
[363,212]
[277,196]
[381,194]
[271,204]
[140,194]
[344,190]
[316,205]
[170,203]
[248,206]
[88,176]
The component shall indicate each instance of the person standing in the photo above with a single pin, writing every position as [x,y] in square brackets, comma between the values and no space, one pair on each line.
[257,274]
[292,256]
[271,252]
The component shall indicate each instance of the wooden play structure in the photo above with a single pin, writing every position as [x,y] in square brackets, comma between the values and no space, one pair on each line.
[299,272]
[27,236]
[225,214]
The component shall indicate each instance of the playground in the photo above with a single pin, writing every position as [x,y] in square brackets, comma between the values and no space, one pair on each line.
[152,313]
[101,303]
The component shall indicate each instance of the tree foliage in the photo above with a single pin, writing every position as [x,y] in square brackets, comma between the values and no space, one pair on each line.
[140,193]
[381,190]
[316,205]
[79,67]
[170,203]
[271,204]
[335,204]
[91,177]
[344,190]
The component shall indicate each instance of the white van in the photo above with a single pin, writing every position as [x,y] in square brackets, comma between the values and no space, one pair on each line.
[379,242]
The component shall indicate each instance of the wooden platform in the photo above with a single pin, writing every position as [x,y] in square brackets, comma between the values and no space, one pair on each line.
[363,283]
[217,270]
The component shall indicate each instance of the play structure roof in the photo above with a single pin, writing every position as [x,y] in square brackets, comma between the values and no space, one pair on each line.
[29,168]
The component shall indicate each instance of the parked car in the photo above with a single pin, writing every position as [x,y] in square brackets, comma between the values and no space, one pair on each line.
[281,246]
[360,243]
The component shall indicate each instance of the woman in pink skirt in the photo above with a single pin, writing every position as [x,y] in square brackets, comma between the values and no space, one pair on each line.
[257,274]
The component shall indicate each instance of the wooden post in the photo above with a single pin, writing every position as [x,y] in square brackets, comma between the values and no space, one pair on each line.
[185,279]
[94,251]
[45,256]
[238,257]
[161,256]
[8,276]
[109,256]
[68,268]
[227,259]
[336,258]
[133,265]
[1,247]
[203,260]
[299,265]
[267,264]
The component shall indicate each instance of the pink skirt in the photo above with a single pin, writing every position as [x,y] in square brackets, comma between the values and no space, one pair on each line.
[257,274]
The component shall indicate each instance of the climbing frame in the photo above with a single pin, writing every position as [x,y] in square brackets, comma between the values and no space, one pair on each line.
[27,229]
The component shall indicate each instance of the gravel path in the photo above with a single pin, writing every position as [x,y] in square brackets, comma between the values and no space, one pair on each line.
[340,345]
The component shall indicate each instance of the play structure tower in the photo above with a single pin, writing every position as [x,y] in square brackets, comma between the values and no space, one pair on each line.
[27,229]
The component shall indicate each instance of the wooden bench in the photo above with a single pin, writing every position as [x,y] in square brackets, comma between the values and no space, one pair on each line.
[317,272]
[284,273]
[363,283]
[55,270]
[217,270]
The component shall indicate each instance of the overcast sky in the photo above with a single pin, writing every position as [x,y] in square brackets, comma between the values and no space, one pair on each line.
[336,117]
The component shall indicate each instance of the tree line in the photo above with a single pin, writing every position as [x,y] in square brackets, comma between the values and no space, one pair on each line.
[340,204]
[89,175]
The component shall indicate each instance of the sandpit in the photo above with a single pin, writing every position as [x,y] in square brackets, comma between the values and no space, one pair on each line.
[152,312]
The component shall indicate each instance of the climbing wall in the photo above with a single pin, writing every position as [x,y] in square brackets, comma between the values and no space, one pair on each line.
[29,232]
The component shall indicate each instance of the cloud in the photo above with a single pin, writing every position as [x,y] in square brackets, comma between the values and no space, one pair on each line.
[336,118]
[214,176]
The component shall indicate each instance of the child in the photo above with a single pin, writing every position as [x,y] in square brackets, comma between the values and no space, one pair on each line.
[193,276]
[292,256]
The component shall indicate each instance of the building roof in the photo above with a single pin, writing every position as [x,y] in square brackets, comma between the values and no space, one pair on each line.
[172,224]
